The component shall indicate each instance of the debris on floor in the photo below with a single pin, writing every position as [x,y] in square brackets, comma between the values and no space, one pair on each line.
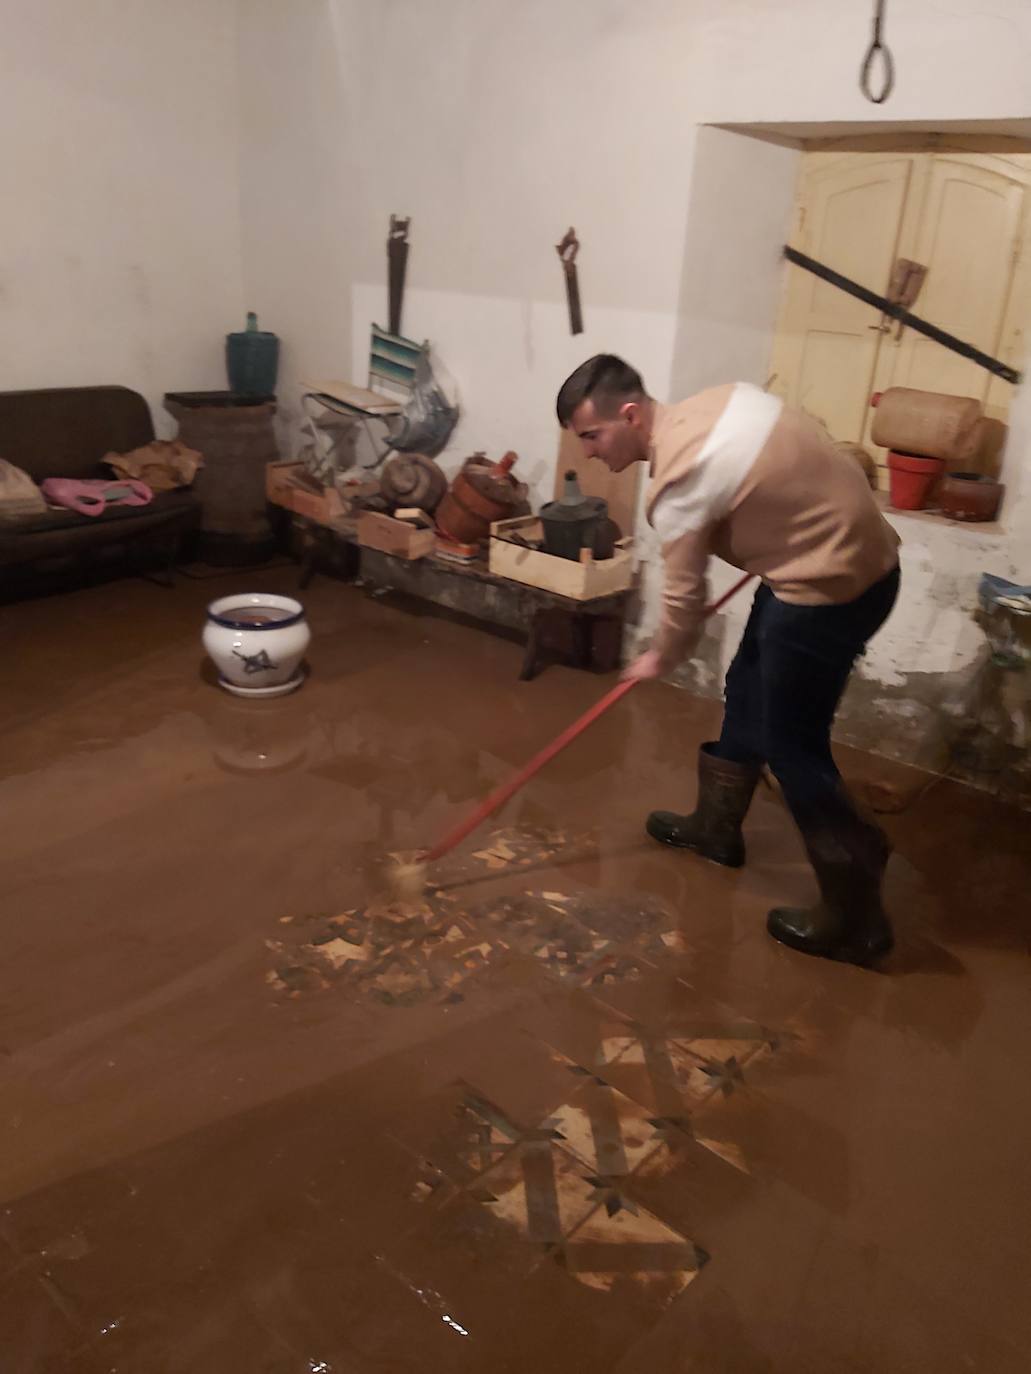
[403,952]
[499,855]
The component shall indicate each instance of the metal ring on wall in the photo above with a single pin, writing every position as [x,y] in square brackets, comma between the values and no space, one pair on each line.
[877,49]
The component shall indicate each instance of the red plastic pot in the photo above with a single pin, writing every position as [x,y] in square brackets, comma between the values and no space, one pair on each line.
[912,478]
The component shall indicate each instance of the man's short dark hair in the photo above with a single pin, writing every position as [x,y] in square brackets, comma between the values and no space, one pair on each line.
[607,380]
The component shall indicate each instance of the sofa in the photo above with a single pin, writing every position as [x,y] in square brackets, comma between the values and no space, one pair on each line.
[66,432]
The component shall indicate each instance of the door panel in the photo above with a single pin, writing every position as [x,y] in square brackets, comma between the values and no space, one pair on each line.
[965,217]
[825,350]
[969,238]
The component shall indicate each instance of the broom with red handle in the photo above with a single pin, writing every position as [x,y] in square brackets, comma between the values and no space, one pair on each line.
[410,878]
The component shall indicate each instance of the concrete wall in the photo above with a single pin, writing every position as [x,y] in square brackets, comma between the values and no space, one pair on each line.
[738,215]
[305,149]
[741,198]
[800,61]
[920,674]
[119,236]
[495,126]
[783,66]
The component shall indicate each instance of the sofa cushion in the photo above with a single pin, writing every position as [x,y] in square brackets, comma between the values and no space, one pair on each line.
[61,532]
[66,431]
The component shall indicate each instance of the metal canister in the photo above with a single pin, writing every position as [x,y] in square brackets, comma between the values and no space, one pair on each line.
[575,522]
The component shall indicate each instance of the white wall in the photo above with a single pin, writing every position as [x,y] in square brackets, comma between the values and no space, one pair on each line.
[496,126]
[507,386]
[738,215]
[756,63]
[304,144]
[119,235]
[741,198]
[762,62]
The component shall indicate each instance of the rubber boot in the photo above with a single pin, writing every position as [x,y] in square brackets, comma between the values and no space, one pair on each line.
[714,827]
[849,854]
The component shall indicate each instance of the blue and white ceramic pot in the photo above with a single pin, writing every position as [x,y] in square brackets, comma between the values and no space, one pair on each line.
[257,641]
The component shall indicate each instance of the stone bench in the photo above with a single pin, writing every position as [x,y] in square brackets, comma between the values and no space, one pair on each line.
[586,633]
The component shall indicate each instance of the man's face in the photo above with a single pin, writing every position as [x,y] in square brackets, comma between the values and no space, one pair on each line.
[617,440]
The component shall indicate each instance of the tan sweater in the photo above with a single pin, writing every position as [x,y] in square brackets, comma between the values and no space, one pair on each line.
[736,474]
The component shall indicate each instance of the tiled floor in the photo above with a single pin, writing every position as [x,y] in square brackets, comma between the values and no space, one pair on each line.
[572,1111]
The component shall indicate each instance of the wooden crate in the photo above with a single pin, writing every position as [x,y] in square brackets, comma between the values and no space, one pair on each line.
[581,581]
[399,537]
[287,485]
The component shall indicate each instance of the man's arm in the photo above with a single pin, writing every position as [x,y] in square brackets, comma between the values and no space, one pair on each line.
[684,596]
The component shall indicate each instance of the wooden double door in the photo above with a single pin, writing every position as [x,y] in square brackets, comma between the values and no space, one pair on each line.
[962,215]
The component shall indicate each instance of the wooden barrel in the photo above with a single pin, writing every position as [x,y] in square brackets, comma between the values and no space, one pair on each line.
[480,494]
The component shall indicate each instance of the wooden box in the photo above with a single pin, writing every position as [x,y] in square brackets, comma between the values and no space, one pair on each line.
[581,581]
[288,485]
[400,537]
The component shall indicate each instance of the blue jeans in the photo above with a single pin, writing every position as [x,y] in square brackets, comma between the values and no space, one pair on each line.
[783,690]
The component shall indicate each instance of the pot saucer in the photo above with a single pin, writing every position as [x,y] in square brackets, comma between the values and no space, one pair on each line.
[279,689]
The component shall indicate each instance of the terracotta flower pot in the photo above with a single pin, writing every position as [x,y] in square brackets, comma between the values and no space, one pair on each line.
[912,478]
[480,494]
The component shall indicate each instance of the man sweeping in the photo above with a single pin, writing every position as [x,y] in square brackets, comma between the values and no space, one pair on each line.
[736,474]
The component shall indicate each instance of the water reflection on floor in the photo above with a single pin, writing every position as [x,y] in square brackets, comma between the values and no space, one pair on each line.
[571,1111]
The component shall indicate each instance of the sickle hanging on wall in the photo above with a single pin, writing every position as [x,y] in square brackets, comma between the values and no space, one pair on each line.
[567,251]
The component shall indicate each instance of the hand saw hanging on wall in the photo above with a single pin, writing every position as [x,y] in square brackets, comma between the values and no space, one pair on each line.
[397,262]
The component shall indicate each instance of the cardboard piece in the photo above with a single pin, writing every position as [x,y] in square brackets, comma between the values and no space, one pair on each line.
[413,515]
[163,464]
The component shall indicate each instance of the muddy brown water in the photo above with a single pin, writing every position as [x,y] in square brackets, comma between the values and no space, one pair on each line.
[574,1112]
[244,615]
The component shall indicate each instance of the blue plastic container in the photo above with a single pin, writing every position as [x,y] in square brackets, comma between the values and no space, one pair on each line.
[252,360]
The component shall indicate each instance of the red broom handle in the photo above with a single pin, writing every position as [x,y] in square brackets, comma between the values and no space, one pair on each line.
[720,602]
[501,794]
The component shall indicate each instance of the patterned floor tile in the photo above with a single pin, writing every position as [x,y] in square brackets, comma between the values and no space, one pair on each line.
[607,1131]
[622,1247]
[539,1190]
